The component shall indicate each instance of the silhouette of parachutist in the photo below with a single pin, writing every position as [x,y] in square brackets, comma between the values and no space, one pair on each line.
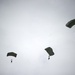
[11,54]
[11,60]
[49,50]
[48,57]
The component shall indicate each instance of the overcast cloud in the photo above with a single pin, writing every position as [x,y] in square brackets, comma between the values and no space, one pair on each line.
[27,27]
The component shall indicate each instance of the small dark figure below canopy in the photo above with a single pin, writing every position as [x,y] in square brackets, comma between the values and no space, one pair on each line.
[11,60]
[71,23]
[49,50]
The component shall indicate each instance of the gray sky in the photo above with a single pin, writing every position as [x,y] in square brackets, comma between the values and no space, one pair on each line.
[27,27]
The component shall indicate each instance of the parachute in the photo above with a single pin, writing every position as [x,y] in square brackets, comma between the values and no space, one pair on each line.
[71,23]
[11,54]
[49,50]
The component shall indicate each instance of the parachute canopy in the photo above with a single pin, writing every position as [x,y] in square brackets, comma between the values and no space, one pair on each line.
[71,23]
[49,50]
[11,54]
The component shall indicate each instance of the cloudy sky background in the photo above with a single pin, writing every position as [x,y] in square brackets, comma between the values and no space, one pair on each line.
[27,27]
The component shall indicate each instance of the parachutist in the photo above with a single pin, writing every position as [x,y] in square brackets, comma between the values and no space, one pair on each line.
[49,50]
[11,60]
[11,54]
[48,57]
